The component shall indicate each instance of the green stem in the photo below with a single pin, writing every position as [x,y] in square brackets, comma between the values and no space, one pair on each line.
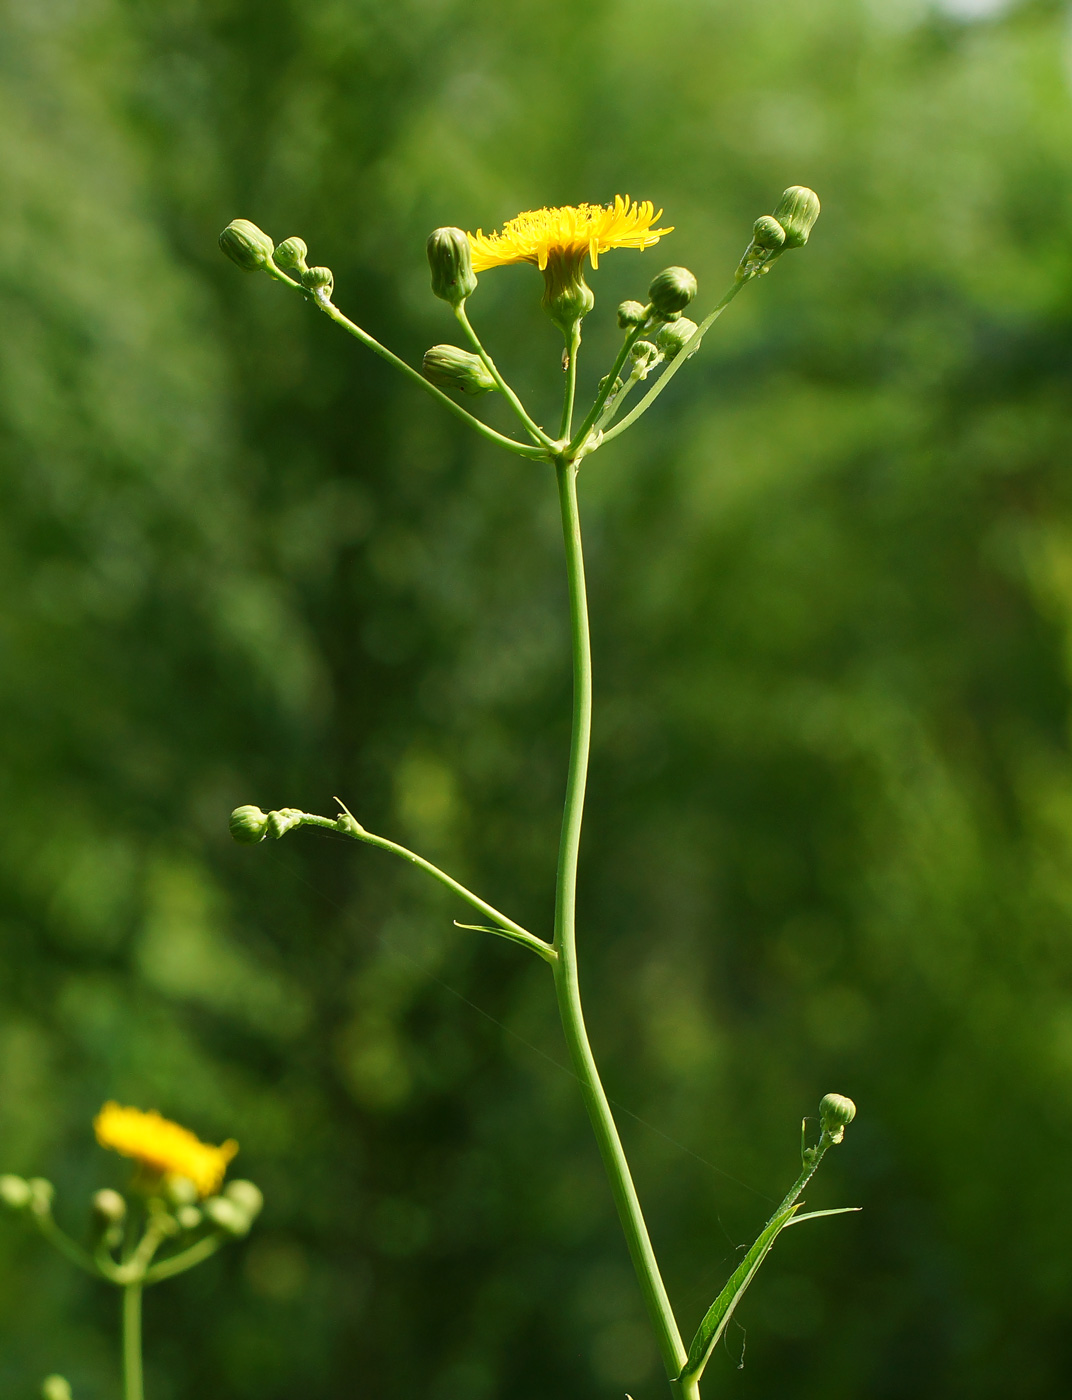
[573,345]
[66,1246]
[679,359]
[179,1263]
[132,1377]
[567,984]
[349,826]
[533,429]
[608,388]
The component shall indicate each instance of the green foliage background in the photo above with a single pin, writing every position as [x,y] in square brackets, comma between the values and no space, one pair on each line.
[830,831]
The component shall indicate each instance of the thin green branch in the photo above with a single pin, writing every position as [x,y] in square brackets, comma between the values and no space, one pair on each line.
[593,415]
[573,346]
[567,984]
[133,1388]
[66,1246]
[179,1263]
[531,427]
[683,354]
[328,307]
[348,825]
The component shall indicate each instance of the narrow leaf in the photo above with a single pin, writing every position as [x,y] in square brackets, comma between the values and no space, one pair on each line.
[818,1214]
[721,1310]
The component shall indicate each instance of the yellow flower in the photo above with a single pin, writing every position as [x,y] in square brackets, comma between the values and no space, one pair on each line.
[163,1148]
[557,241]
[571,232]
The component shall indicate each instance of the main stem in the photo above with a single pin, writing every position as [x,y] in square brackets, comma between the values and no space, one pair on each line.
[567,985]
[132,1379]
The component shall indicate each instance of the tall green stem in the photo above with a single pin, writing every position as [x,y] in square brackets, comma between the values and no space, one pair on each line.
[132,1378]
[567,985]
[573,345]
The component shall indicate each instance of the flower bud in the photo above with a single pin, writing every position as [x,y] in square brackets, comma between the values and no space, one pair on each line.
[644,356]
[767,232]
[671,291]
[226,1216]
[673,335]
[797,211]
[248,825]
[320,281]
[109,1208]
[188,1217]
[291,254]
[55,1388]
[41,1193]
[14,1192]
[835,1113]
[279,823]
[450,367]
[630,314]
[246,1196]
[451,260]
[247,245]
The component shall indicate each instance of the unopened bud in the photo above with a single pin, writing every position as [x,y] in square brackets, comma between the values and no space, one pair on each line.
[248,825]
[835,1113]
[15,1192]
[797,211]
[246,1196]
[55,1388]
[644,356]
[450,367]
[41,1194]
[451,260]
[188,1217]
[109,1208]
[673,337]
[226,1216]
[320,281]
[671,291]
[247,245]
[291,254]
[279,823]
[767,232]
[630,314]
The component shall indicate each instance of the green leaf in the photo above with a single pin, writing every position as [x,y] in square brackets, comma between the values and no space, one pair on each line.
[721,1310]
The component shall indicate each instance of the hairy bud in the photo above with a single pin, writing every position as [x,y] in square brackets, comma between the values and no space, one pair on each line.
[291,254]
[55,1388]
[109,1208]
[836,1112]
[673,336]
[320,281]
[797,211]
[630,314]
[248,825]
[15,1193]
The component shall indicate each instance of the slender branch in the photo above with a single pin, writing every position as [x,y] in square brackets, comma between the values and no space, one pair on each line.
[531,427]
[567,985]
[596,410]
[348,825]
[573,345]
[66,1246]
[179,1263]
[324,304]
[683,354]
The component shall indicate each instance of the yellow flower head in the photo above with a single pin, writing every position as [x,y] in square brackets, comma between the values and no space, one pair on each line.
[163,1148]
[572,232]
[557,241]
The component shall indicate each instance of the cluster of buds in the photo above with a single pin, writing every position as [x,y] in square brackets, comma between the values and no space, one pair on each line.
[249,824]
[252,249]
[774,234]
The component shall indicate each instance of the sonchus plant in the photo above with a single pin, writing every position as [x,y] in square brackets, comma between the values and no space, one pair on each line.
[658,339]
[175,1214]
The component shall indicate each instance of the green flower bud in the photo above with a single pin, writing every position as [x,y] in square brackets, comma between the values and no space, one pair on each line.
[14,1192]
[567,297]
[672,337]
[226,1216]
[188,1217]
[109,1208]
[767,232]
[247,245]
[671,291]
[645,356]
[279,823]
[180,1190]
[835,1113]
[631,314]
[55,1388]
[451,260]
[452,368]
[41,1194]
[246,1196]
[291,254]
[320,281]
[797,211]
[248,825]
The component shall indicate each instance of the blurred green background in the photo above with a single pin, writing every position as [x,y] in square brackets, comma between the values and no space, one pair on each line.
[829,842]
